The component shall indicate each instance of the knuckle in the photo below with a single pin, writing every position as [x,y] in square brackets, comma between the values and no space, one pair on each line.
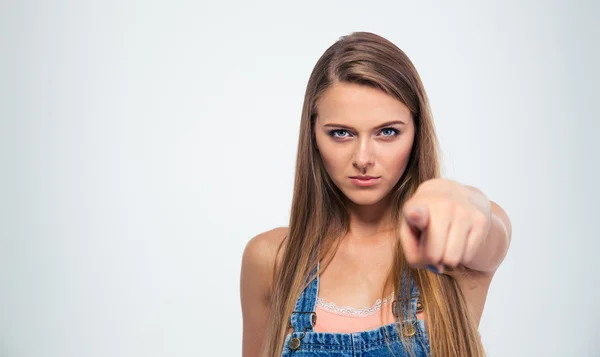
[460,211]
[446,205]
[427,183]
[469,255]
[432,256]
[462,214]
[412,260]
[451,261]
[480,219]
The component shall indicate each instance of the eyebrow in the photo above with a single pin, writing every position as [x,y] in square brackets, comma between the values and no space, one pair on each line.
[389,123]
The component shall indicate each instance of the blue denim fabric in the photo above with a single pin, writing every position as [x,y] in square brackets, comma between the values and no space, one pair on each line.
[383,341]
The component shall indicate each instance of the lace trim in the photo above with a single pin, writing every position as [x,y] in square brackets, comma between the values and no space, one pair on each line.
[354,312]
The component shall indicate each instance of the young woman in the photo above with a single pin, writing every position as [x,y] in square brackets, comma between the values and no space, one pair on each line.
[382,257]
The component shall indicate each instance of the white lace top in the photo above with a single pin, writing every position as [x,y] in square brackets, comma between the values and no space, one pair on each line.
[354,312]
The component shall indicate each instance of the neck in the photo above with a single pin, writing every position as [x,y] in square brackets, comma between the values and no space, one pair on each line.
[368,221]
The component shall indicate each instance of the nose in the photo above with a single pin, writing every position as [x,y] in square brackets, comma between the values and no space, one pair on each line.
[363,157]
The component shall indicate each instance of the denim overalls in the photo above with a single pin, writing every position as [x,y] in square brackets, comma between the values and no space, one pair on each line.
[383,341]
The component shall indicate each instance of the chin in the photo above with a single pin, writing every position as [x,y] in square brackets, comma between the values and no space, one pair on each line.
[365,198]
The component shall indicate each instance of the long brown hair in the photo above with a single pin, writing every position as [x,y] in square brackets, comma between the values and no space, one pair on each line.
[319,217]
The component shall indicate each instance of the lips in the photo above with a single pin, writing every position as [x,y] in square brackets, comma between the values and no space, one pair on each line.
[364,181]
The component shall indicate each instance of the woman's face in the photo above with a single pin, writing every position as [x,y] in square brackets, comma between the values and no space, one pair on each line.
[365,138]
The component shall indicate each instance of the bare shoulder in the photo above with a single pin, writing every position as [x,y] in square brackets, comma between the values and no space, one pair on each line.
[263,250]
[258,263]
[267,241]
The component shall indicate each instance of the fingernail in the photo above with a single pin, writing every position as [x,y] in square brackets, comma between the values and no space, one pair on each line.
[416,214]
[419,210]
[432,268]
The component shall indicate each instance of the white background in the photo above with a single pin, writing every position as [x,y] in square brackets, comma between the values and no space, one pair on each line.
[143,143]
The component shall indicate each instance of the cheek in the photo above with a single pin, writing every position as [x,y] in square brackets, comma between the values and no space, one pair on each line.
[334,159]
[334,163]
[395,161]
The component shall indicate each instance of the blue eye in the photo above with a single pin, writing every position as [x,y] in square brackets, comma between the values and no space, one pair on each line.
[389,132]
[339,133]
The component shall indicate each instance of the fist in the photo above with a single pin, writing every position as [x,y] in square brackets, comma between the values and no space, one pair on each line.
[444,224]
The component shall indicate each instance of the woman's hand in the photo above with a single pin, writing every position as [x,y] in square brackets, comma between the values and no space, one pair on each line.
[446,224]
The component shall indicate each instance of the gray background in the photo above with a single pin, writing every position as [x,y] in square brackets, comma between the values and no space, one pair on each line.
[143,143]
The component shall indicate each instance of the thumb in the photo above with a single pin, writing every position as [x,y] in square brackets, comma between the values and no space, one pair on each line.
[417,217]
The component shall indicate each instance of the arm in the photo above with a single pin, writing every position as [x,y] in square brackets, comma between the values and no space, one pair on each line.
[495,245]
[475,282]
[446,224]
[256,281]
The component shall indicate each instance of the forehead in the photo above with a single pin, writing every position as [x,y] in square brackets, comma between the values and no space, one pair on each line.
[359,105]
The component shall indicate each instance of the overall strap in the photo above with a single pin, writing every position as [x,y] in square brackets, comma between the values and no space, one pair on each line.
[408,296]
[303,317]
